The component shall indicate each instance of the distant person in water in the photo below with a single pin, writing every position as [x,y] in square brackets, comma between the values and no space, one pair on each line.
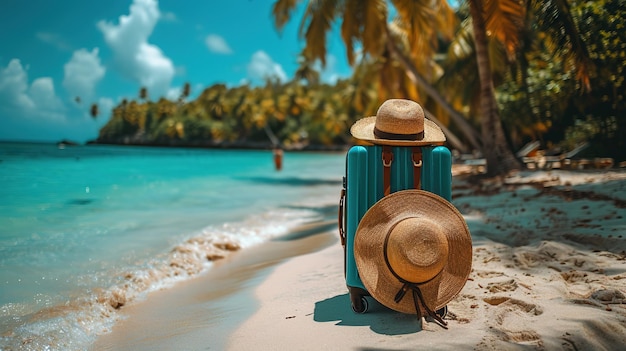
[278,158]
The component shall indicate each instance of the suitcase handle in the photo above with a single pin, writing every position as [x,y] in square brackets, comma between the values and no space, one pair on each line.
[342,202]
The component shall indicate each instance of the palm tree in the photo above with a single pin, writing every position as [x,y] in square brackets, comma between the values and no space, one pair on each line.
[498,154]
[366,22]
[307,72]
[506,20]
[556,17]
[186,89]
[94,110]
[143,93]
[185,92]
[410,38]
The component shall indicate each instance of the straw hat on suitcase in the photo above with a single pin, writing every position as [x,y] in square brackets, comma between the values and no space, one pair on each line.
[412,241]
[398,122]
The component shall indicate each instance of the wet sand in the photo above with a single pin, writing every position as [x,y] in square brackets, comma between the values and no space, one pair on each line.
[201,313]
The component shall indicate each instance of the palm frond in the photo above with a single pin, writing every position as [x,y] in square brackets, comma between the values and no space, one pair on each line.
[317,20]
[556,18]
[462,45]
[447,20]
[351,28]
[375,22]
[504,19]
[417,19]
[363,21]
[282,11]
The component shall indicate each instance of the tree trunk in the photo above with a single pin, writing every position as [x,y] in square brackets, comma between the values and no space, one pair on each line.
[500,158]
[468,131]
[270,134]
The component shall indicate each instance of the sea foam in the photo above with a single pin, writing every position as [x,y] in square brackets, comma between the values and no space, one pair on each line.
[76,323]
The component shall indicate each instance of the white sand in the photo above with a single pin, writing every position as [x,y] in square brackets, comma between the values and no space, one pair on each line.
[549,272]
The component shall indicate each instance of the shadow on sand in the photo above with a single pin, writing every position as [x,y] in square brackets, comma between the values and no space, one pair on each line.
[380,319]
[293,181]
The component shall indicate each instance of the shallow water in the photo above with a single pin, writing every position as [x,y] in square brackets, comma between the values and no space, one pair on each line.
[86,229]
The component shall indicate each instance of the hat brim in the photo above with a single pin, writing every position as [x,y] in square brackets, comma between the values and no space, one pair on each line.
[377,278]
[363,129]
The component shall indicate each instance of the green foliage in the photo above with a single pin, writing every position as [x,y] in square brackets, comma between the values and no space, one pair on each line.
[530,107]
[601,114]
[546,101]
[298,113]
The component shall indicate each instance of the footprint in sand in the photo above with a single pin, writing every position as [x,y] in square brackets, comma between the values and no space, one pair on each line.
[489,274]
[508,322]
[507,285]
[574,276]
[526,337]
[526,259]
[511,304]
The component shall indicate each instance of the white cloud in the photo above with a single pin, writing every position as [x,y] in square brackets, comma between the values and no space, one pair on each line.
[105,106]
[54,40]
[173,93]
[31,110]
[13,86]
[18,99]
[329,73]
[169,17]
[180,71]
[137,59]
[217,44]
[262,67]
[82,73]
[43,95]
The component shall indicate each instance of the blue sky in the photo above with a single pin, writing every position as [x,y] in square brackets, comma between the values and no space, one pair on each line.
[105,51]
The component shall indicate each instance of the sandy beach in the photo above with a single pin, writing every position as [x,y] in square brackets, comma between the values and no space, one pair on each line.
[548,273]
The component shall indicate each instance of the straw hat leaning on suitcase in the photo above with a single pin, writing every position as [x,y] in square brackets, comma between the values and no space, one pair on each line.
[411,242]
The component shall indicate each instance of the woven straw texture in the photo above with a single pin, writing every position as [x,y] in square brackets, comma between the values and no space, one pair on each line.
[369,248]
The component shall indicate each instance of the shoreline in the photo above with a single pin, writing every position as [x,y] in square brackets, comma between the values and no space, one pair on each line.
[218,300]
[207,146]
[229,146]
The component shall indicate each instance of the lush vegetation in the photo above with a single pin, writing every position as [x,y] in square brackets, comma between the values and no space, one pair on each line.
[294,115]
[545,102]
[555,81]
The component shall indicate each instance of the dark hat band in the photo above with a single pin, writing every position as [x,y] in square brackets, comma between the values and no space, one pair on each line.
[395,136]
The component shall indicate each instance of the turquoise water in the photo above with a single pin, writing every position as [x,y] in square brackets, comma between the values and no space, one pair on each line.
[86,229]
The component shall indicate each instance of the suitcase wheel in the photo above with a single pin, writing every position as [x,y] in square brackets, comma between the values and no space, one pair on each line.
[360,305]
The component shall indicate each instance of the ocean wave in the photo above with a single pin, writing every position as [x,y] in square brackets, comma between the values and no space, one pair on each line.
[75,324]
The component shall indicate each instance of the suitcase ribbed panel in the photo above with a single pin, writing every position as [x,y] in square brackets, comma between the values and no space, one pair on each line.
[364,186]
[356,179]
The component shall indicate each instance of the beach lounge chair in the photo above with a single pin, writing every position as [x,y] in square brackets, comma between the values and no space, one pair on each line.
[540,160]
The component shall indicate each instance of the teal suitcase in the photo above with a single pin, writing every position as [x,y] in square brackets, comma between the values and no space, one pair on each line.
[363,187]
